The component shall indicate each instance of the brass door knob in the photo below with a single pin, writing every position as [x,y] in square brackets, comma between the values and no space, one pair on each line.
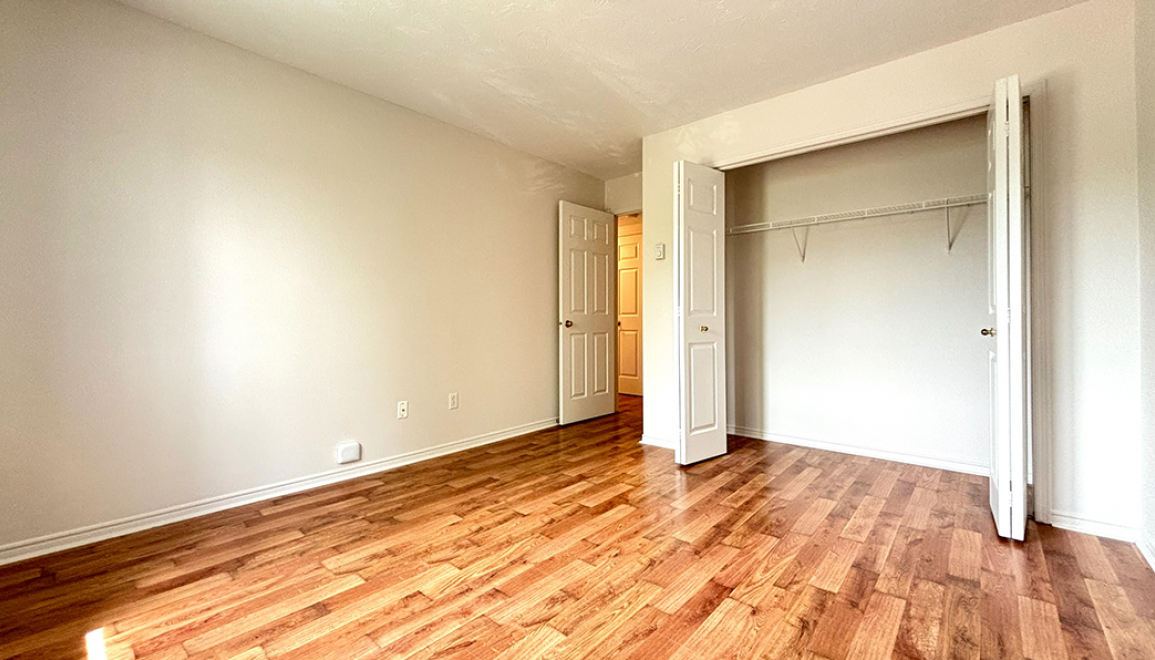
[705,329]
[988,332]
[568,323]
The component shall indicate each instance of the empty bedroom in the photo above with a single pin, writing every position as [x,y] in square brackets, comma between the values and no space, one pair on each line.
[584,329]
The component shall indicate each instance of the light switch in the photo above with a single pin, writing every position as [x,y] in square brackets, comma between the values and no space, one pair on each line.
[660,251]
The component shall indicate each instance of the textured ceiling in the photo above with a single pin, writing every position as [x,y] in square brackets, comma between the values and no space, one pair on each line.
[581,81]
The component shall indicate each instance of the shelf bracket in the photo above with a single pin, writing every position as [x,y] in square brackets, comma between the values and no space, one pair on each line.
[949,233]
[801,244]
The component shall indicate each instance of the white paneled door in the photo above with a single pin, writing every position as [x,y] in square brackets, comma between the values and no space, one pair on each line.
[700,266]
[587,312]
[630,310]
[1007,330]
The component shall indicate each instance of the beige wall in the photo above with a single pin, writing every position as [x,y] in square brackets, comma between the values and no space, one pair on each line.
[872,344]
[1145,82]
[1085,246]
[624,194]
[215,267]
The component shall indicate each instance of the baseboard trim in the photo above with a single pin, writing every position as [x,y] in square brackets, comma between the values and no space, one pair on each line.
[1094,527]
[654,441]
[1147,549]
[45,545]
[897,457]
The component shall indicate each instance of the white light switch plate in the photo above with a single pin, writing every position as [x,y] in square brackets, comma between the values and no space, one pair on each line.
[660,251]
[348,452]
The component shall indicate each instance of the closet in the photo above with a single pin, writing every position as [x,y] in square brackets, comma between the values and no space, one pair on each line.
[871,297]
[853,319]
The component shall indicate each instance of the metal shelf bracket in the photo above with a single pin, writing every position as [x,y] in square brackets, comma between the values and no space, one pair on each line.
[801,244]
[949,233]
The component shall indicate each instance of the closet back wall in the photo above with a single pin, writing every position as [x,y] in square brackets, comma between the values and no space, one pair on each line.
[872,345]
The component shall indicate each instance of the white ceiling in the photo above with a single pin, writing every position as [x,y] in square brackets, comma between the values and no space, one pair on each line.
[581,81]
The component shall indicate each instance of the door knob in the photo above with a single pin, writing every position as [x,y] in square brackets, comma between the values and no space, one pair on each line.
[568,323]
[705,329]
[988,332]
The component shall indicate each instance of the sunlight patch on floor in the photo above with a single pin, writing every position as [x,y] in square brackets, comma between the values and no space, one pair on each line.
[94,641]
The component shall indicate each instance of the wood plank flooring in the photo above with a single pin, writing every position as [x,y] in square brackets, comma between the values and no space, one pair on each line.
[580,543]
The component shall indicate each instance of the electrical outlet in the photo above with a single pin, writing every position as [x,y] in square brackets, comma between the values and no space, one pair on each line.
[348,452]
[453,400]
[402,409]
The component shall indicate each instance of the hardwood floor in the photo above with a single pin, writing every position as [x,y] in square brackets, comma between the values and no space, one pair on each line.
[580,543]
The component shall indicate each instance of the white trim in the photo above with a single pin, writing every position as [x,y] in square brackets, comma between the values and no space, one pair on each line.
[858,134]
[898,457]
[1147,549]
[652,440]
[914,121]
[51,543]
[1093,527]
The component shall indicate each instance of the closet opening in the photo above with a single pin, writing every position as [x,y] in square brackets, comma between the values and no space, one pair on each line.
[858,297]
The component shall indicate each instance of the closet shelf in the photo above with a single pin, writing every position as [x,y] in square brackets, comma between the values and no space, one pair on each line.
[877,212]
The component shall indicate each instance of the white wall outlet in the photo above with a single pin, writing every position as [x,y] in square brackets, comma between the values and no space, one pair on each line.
[660,251]
[453,400]
[348,452]
[402,409]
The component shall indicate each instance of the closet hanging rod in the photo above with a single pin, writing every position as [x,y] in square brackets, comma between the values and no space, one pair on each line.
[877,212]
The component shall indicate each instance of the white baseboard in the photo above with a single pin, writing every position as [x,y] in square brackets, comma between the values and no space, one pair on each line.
[1147,549]
[654,441]
[1094,527]
[897,457]
[13,552]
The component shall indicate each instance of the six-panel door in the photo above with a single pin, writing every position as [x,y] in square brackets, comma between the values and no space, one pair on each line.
[630,310]
[587,313]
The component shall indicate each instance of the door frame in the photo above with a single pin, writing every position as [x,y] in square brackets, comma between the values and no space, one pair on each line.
[1040,445]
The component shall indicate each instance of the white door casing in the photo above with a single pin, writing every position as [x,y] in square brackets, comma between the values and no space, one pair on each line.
[630,310]
[587,311]
[1007,331]
[700,313]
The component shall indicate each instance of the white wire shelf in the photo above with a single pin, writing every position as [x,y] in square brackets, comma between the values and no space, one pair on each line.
[877,212]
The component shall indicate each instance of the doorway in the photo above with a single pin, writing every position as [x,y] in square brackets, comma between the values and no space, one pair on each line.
[1006,171]
[599,310]
[630,304]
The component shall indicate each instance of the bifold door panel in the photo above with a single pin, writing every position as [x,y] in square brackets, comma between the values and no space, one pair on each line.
[1007,330]
[700,253]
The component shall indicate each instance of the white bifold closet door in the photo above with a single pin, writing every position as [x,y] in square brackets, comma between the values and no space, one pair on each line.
[1007,331]
[700,311]
[587,313]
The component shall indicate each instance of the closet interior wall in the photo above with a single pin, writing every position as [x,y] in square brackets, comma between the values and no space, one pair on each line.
[871,344]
